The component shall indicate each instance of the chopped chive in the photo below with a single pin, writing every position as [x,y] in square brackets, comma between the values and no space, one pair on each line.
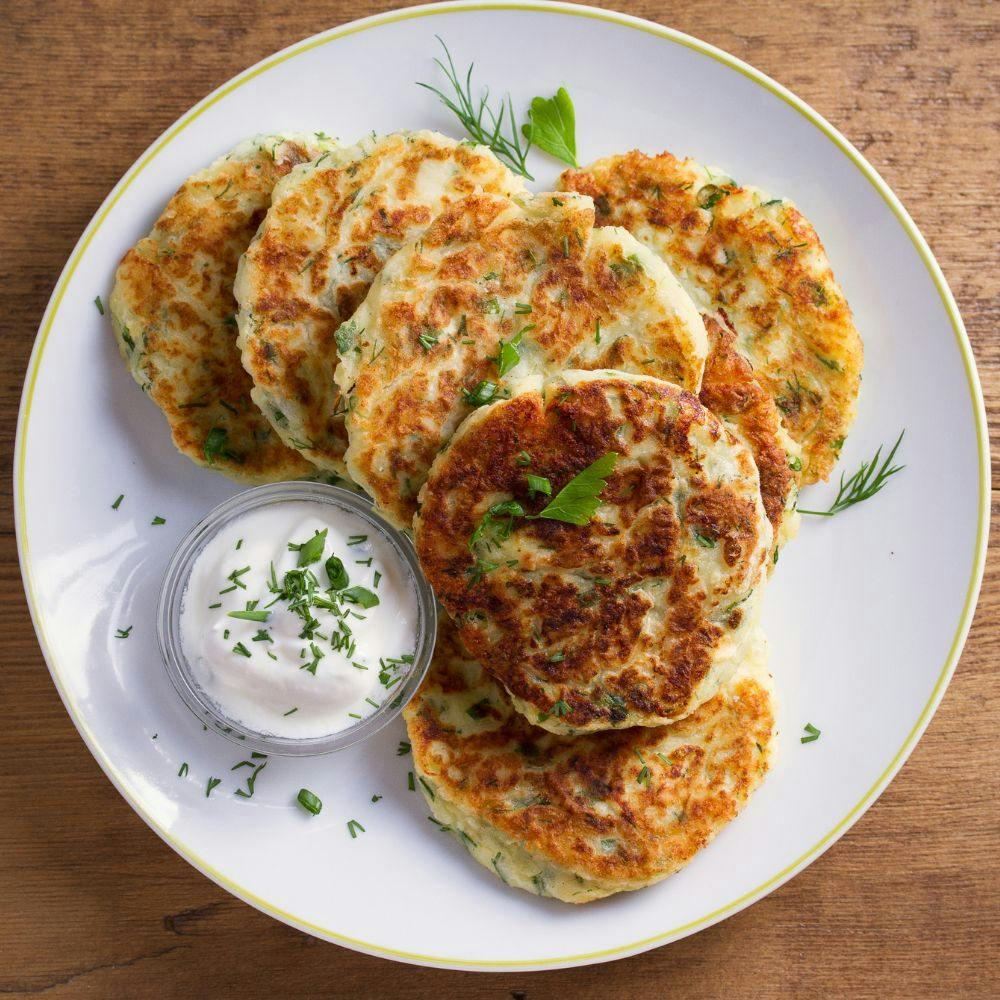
[357,539]
[251,616]
[99,304]
[248,794]
[409,781]
[241,650]
[158,520]
[377,579]
[291,710]
[404,748]
[124,633]
[212,782]
[352,828]
[813,733]
[118,501]
[218,604]
[375,798]
[183,771]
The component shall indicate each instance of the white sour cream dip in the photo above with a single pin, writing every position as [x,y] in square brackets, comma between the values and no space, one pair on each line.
[326,619]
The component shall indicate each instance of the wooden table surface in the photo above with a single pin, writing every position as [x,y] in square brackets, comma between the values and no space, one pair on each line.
[92,904]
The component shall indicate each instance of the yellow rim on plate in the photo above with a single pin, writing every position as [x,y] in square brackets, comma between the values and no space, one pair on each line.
[869,172]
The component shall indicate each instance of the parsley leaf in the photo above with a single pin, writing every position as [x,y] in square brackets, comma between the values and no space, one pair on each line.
[309,801]
[508,356]
[337,574]
[360,595]
[579,499]
[552,126]
[311,551]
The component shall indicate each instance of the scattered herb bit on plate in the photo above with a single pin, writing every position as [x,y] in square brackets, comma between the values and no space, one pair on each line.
[309,801]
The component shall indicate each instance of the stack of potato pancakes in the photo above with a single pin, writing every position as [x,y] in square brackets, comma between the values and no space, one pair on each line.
[591,408]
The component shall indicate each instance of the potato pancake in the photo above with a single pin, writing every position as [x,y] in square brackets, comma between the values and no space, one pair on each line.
[497,294]
[333,223]
[633,616]
[730,390]
[757,258]
[579,819]
[174,315]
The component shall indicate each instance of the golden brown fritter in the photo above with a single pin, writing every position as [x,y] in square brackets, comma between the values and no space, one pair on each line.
[760,260]
[174,314]
[585,817]
[331,227]
[730,390]
[531,273]
[639,615]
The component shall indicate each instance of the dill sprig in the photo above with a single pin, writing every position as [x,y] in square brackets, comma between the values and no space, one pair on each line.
[865,483]
[483,124]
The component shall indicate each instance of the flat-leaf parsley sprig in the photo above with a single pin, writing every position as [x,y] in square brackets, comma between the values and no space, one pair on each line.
[552,126]
[870,478]
[575,503]
[578,500]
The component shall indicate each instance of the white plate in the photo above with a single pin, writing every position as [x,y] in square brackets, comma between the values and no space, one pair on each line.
[867,612]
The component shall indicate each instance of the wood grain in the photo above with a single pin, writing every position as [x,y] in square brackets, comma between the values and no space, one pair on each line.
[92,904]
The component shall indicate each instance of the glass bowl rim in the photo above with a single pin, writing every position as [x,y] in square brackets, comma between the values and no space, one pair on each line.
[175,581]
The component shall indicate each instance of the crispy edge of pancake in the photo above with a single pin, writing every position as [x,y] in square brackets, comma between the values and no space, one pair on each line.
[190,367]
[703,224]
[580,819]
[556,681]
[731,391]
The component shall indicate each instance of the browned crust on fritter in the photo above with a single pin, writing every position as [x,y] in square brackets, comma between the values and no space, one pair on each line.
[585,804]
[620,618]
[482,250]
[180,338]
[322,245]
[730,390]
[743,238]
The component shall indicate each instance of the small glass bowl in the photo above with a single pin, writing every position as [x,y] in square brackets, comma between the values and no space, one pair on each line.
[169,617]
